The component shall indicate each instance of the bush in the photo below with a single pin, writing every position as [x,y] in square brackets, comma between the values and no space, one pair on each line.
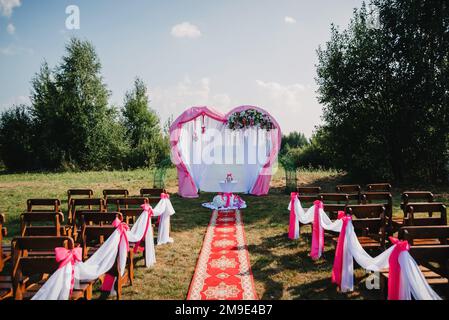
[16,139]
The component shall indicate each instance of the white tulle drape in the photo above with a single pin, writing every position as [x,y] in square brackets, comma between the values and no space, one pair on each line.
[413,282]
[209,156]
[57,287]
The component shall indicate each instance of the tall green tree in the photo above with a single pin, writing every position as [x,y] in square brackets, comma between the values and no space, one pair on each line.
[293,140]
[143,131]
[74,121]
[385,91]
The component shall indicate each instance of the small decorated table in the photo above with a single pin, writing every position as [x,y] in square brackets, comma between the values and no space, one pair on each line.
[227,186]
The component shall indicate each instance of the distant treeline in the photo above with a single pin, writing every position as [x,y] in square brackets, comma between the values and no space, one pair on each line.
[70,125]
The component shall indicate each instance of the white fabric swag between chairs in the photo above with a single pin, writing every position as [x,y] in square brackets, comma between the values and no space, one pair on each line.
[58,286]
[413,282]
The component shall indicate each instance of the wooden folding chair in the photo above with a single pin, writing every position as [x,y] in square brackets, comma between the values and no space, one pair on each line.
[78,193]
[416,197]
[425,235]
[131,207]
[334,202]
[383,198]
[378,187]
[80,205]
[31,271]
[152,193]
[110,195]
[43,205]
[422,214]
[93,236]
[369,224]
[42,224]
[427,257]
[352,190]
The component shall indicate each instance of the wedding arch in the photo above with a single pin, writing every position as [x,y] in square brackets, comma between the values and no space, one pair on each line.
[207,145]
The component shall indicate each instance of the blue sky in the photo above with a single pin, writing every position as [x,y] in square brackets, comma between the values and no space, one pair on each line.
[221,53]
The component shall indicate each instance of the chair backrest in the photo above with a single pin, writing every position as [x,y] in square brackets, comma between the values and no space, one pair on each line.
[440,233]
[412,209]
[43,205]
[348,188]
[30,266]
[93,235]
[432,254]
[130,207]
[378,187]
[353,191]
[99,218]
[384,198]
[115,192]
[337,198]
[84,204]
[78,193]
[41,224]
[152,192]
[416,196]
[308,190]
[369,220]
[308,198]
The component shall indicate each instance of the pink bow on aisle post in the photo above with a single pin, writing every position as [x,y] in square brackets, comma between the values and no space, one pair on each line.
[122,228]
[64,257]
[317,232]
[292,225]
[339,252]
[146,209]
[394,276]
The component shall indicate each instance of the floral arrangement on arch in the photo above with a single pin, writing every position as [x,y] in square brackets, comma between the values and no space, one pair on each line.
[249,118]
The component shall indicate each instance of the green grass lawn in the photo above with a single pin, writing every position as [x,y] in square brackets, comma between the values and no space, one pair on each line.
[282,268]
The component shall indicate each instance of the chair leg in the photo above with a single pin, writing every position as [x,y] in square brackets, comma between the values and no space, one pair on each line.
[131,267]
[118,288]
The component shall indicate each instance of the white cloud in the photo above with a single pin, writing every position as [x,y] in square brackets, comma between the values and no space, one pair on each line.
[13,50]
[175,99]
[294,106]
[185,30]
[7,6]
[11,29]
[289,20]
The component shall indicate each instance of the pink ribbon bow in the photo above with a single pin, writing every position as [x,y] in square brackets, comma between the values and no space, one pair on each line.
[317,232]
[394,277]
[146,209]
[165,196]
[339,252]
[122,228]
[64,257]
[292,224]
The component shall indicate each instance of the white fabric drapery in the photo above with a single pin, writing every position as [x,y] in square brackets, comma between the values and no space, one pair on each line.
[413,282]
[241,152]
[57,287]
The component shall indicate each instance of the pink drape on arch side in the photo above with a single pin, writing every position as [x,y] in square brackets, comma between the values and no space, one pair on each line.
[187,187]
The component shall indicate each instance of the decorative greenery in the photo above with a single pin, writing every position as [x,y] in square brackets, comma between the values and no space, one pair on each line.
[250,118]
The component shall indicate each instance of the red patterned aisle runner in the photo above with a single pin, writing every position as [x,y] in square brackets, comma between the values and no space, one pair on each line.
[223,270]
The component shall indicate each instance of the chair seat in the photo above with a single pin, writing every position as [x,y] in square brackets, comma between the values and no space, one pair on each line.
[432,277]
[368,242]
[77,293]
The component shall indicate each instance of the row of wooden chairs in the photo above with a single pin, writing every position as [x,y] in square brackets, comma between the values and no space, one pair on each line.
[42,228]
[34,259]
[429,246]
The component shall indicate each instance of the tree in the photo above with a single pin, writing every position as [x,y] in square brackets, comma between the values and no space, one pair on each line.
[143,131]
[293,140]
[74,122]
[16,135]
[385,92]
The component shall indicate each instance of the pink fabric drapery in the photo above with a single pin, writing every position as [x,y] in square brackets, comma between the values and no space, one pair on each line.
[187,187]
